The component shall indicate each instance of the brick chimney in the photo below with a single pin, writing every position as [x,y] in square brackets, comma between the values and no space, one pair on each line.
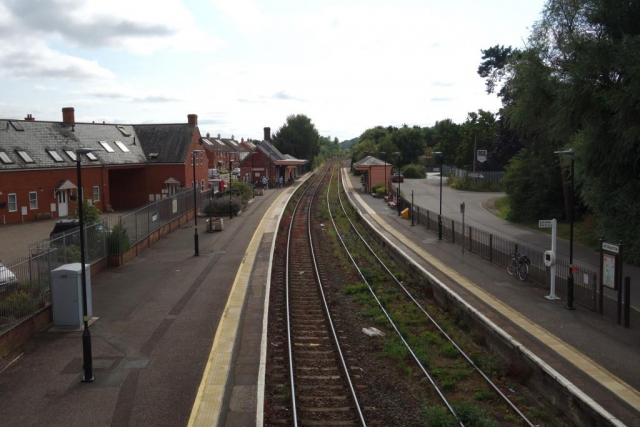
[208,135]
[192,119]
[267,134]
[69,115]
[29,118]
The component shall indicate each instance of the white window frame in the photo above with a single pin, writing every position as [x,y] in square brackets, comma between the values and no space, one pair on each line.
[201,185]
[31,201]
[107,147]
[122,147]
[15,202]
[55,156]
[96,187]
[25,156]
[92,157]
[72,155]
[4,158]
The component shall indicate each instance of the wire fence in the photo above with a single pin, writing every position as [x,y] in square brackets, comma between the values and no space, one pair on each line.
[25,285]
[498,250]
[493,177]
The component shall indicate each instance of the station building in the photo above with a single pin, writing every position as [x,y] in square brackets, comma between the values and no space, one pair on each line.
[374,172]
[132,165]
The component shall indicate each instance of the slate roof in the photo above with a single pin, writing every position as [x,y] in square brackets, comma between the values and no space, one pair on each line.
[269,149]
[170,141]
[370,161]
[215,144]
[234,145]
[39,136]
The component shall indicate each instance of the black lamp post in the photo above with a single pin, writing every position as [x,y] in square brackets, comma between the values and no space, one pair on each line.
[569,305]
[253,185]
[87,360]
[440,214]
[230,204]
[397,153]
[196,243]
[386,178]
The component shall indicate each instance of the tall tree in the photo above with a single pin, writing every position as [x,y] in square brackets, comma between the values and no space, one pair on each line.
[298,137]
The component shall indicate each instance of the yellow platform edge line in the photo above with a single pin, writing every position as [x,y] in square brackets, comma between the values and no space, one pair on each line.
[208,403]
[582,362]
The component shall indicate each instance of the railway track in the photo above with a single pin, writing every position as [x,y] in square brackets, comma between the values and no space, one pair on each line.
[356,237]
[314,380]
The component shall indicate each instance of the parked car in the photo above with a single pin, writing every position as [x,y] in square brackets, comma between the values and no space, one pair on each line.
[397,177]
[236,171]
[63,226]
[7,278]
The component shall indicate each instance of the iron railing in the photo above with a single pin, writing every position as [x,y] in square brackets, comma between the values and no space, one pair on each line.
[498,250]
[493,177]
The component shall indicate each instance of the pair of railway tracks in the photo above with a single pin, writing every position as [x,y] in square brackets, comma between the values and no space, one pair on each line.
[318,387]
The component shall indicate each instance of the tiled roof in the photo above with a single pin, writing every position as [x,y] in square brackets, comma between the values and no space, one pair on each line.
[167,143]
[270,150]
[214,144]
[37,137]
[234,145]
[370,161]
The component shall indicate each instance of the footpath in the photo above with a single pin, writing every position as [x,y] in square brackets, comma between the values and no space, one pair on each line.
[157,319]
[599,357]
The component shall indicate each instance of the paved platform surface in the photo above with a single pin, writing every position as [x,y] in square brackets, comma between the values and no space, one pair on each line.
[158,316]
[598,356]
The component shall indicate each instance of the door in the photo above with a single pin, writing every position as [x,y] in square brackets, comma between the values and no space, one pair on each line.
[63,203]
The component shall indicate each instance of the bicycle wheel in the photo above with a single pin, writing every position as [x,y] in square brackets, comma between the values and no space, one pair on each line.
[512,267]
[523,271]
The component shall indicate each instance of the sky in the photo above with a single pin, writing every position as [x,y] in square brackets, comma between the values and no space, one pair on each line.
[242,65]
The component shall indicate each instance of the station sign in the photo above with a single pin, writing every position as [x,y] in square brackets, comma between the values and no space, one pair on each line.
[545,223]
[482,156]
[611,248]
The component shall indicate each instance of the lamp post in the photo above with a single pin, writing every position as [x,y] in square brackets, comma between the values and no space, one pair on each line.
[397,153]
[569,305]
[386,178]
[252,175]
[87,360]
[230,204]
[440,214]
[196,243]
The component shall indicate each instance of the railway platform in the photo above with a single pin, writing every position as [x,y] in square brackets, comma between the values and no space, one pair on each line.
[172,329]
[594,356]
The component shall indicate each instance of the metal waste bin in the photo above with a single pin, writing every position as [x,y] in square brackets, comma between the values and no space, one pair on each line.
[66,295]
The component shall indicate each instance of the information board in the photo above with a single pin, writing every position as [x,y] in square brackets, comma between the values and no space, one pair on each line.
[609,271]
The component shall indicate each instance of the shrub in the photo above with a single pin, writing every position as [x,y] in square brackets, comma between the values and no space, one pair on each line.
[468,184]
[19,304]
[90,213]
[221,206]
[240,189]
[69,253]
[381,191]
[376,188]
[414,171]
[119,240]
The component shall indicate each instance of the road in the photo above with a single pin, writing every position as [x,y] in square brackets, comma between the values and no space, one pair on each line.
[427,195]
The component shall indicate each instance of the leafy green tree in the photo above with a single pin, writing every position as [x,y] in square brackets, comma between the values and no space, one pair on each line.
[478,130]
[447,137]
[298,137]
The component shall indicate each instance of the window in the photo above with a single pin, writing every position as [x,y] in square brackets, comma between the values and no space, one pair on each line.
[122,147]
[92,157]
[153,155]
[107,147]
[202,185]
[56,157]
[5,158]
[71,154]
[123,131]
[96,193]
[25,156]
[13,202]
[33,200]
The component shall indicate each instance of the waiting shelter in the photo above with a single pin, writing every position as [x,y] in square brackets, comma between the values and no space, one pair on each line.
[374,172]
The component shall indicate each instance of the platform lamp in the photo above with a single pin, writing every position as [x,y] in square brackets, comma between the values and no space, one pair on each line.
[569,305]
[440,214]
[397,153]
[196,244]
[87,360]
[230,204]
[386,180]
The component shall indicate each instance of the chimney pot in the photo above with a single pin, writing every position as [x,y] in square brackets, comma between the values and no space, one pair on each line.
[218,136]
[68,115]
[208,135]
[233,138]
[192,119]
[267,134]
[29,118]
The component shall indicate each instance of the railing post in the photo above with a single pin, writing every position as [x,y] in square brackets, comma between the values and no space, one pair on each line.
[470,240]
[453,232]
[490,247]
[428,221]
[627,300]
[418,208]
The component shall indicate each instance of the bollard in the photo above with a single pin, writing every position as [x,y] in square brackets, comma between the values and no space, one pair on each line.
[627,300]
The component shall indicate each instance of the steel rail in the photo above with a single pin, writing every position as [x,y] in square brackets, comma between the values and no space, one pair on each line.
[433,321]
[424,370]
[326,306]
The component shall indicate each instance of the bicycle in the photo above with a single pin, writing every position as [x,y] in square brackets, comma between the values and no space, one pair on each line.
[519,265]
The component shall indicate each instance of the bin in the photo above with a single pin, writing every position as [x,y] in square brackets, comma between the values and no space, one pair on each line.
[66,295]
[405,213]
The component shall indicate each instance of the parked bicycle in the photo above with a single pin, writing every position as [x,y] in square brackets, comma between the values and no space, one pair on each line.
[519,265]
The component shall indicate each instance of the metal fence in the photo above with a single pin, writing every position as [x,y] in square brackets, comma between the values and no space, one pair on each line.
[493,177]
[498,250]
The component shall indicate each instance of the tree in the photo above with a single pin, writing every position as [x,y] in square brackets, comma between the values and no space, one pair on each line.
[447,138]
[298,137]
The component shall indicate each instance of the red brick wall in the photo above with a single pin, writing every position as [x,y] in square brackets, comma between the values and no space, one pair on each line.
[43,182]
[261,165]
[129,188]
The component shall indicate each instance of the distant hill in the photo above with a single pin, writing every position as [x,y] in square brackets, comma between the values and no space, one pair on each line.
[345,145]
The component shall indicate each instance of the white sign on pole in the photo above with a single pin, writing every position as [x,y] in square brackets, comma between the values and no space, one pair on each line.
[545,223]
[482,156]
[611,248]
[585,278]
[553,224]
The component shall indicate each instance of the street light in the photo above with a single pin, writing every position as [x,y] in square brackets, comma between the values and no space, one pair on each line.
[440,215]
[87,362]
[397,153]
[195,212]
[230,204]
[386,178]
[569,305]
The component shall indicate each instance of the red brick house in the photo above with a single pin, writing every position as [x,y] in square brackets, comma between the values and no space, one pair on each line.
[218,153]
[267,160]
[374,172]
[132,165]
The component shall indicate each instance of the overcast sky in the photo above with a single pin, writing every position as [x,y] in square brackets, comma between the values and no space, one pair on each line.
[242,65]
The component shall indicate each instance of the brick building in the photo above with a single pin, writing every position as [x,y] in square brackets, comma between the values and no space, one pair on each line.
[267,160]
[132,164]
[374,172]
